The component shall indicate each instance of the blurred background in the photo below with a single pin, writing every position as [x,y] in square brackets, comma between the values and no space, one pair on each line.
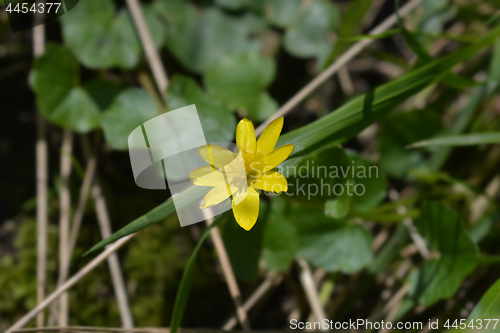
[244,58]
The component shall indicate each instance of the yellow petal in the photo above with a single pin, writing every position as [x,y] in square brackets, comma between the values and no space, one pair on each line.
[246,211]
[218,194]
[271,182]
[216,155]
[277,157]
[205,176]
[245,139]
[268,138]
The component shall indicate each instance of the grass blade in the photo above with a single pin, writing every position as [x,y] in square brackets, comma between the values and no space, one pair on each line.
[460,140]
[187,281]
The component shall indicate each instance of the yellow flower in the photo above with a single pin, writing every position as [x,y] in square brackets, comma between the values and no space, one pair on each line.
[241,180]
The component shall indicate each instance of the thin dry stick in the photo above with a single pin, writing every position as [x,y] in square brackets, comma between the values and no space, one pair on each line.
[65,207]
[114,264]
[41,182]
[264,287]
[234,290]
[345,81]
[152,55]
[311,291]
[75,226]
[82,202]
[338,64]
[70,283]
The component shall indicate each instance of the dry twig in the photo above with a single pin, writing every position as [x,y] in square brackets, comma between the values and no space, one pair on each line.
[41,182]
[70,283]
[65,210]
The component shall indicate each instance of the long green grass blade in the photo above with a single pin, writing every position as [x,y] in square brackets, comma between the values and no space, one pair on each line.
[339,125]
[187,281]
[352,118]
[460,140]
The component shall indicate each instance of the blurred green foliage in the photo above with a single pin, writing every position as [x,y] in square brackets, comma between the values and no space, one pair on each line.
[243,58]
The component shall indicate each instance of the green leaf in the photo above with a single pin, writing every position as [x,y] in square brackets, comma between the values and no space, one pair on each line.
[232,4]
[111,40]
[266,107]
[401,129]
[309,34]
[102,92]
[240,80]
[131,108]
[199,39]
[282,12]
[54,79]
[77,111]
[243,247]
[334,246]
[217,121]
[319,176]
[460,140]
[279,240]
[372,183]
[487,308]
[187,281]
[342,124]
[440,278]
[337,208]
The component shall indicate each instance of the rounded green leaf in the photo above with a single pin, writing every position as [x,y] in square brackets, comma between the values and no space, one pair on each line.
[53,75]
[217,121]
[130,109]
[309,33]
[199,39]
[266,107]
[240,80]
[282,13]
[54,79]
[232,4]
[77,111]
[111,39]
[279,241]
[320,176]
[333,245]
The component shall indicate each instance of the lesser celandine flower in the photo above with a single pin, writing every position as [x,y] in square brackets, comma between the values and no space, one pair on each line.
[241,184]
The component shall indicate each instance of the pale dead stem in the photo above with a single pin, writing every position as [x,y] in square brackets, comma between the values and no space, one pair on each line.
[41,182]
[70,283]
[162,82]
[113,262]
[64,216]
[152,54]
[307,281]
[270,281]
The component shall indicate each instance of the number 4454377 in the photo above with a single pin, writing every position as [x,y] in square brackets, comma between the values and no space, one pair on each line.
[41,8]
[477,324]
